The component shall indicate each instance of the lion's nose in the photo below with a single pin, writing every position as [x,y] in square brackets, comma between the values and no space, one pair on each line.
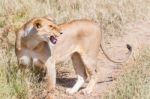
[61,32]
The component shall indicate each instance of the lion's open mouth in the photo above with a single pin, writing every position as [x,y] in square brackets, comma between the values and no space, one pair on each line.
[53,39]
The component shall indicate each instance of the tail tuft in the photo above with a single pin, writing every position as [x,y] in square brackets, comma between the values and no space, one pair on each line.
[129,47]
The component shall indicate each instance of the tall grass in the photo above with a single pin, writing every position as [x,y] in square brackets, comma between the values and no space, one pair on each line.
[111,14]
[135,81]
[12,85]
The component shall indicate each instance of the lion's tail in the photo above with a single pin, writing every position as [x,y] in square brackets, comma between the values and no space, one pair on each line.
[118,61]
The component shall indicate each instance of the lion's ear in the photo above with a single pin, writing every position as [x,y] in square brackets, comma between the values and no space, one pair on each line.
[37,24]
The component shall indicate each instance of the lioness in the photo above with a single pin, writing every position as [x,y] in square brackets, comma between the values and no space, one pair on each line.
[80,40]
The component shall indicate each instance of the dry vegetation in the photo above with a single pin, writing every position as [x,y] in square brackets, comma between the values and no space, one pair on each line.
[134,83]
[111,14]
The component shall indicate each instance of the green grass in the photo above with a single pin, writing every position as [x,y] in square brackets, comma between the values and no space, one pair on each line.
[12,84]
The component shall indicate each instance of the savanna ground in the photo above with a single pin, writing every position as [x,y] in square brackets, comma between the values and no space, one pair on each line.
[122,21]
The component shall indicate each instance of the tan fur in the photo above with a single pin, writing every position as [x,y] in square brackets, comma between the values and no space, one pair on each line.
[81,40]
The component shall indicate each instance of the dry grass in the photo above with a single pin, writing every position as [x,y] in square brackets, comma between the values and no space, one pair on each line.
[134,83]
[111,14]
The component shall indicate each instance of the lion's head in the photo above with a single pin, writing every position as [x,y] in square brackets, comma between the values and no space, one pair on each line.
[39,27]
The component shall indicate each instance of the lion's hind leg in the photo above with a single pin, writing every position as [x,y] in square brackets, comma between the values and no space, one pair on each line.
[80,71]
[90,64]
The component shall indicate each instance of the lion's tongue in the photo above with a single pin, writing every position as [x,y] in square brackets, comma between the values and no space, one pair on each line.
[53,39]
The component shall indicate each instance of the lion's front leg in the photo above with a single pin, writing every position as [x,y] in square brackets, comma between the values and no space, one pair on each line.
[51,74]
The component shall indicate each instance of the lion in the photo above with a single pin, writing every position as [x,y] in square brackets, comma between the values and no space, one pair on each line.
[48,44]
